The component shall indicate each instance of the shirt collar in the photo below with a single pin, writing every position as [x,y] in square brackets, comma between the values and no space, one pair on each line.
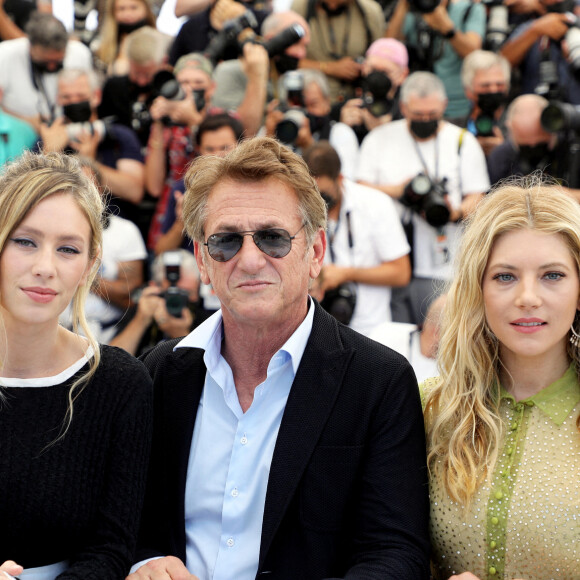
[208,337]
[558,399]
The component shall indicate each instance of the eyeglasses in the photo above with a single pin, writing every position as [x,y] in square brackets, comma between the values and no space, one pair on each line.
[274,242]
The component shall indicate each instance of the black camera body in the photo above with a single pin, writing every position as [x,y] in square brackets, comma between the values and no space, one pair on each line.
[176,299]
[426,197]
[293,107]
[424,6]
[340,302]
[376,86]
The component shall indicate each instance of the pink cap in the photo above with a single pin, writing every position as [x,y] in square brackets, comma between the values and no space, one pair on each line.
[389,49]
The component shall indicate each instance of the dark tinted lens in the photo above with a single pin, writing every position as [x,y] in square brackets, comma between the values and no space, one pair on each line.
[276,243]
[223,247]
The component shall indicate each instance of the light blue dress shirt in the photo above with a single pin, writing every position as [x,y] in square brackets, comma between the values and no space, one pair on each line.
[230,457]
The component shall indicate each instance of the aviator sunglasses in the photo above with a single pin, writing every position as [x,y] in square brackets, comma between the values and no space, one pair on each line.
[274,242]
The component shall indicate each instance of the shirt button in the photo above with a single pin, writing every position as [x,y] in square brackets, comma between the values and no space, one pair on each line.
[494,521]
[519,407]
[509,450]
[492,544]
[244,440]
[492,570]
[498,495]
[529,403]
[514,426]
[230,542]
[235,492]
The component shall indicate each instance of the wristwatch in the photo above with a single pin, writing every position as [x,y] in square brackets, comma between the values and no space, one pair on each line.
[450,33]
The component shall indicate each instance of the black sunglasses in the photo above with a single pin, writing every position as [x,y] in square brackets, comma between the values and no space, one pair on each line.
[274,242]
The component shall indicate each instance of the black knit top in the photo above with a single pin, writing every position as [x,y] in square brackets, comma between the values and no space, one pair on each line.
[80,498]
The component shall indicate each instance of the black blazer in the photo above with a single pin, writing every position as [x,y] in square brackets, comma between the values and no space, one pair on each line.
[347,493]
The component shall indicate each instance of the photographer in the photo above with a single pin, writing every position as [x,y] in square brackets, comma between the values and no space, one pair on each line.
[160,315]
[542,48]
[113,147]
[245,84]
[439,35]
[170,147]
[367,250]
[383,71]
[437,172]
[128,97]
[486,80]
[302,117]
[342,31]
[529,146]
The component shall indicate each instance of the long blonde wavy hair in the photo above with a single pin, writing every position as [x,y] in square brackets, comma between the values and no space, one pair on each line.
[462,411]
[26,182]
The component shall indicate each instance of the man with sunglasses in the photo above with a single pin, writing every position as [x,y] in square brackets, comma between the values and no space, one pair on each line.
[286,445]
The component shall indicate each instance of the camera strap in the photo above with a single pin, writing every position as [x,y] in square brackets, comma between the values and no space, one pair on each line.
[332,234]
[422,159]
[38,83]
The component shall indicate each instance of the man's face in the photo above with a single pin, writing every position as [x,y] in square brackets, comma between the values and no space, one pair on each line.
[192,79]
[219,142]
[315,102]
[529,132]
[142,74]
[331,192]
[76,91]
[491,80]
[256,290]
[428,108]
[50,59]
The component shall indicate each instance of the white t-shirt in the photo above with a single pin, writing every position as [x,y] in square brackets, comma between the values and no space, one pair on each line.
[388,156]
[20,95]
[377,237]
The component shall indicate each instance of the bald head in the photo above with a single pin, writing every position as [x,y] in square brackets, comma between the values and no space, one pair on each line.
[523,120]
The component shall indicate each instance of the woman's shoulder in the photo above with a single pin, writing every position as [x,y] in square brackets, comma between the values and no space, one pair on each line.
[122,365]
[426,387]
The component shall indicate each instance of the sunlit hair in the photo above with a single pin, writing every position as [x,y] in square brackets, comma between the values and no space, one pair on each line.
[483,60]
[26,182]
[422,84]
[462,411]
[255,159]
[110,42]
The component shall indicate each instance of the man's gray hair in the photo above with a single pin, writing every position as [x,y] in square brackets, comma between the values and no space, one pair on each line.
[309,77]
[422,84]
[483,60]
[46,31]
[69,75]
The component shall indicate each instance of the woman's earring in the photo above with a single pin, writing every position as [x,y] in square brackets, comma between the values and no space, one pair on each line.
[574,337]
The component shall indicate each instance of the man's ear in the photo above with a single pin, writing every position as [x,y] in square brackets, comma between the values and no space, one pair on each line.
[318,252]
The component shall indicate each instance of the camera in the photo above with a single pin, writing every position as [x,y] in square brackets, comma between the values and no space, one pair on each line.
[427,197]
[498,27]
[340,302]
[231,37]
[424,6]
[291,91]
[176,299]
[376,87]
[560,116]
[99,127]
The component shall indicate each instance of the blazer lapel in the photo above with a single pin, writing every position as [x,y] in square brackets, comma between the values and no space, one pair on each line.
[315,388]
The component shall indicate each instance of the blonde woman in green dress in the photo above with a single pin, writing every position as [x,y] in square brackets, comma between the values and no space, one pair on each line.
[502,420]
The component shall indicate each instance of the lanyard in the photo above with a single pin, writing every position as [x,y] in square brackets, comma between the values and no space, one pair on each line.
[332,234]
[332,51]
[422,159]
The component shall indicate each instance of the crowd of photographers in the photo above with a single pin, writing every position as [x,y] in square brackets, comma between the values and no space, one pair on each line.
[406,112]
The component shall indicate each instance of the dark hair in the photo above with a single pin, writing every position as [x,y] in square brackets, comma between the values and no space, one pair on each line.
[47,31]
[218,121]
[322,160]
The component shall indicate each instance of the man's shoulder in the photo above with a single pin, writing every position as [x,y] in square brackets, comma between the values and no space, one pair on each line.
[388,130]
[77,51]
[366,199]
[14,48]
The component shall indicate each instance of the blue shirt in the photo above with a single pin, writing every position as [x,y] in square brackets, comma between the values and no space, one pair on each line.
[230,456]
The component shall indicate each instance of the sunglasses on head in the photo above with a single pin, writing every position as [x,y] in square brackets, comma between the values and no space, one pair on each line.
[274,242]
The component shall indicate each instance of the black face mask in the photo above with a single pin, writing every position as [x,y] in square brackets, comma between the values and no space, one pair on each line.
[39,68]
[284,63]
[562,7]
[534,156]
[128,28]
[424,129]
[333,11]
[318,122]
[77,112]
[490,102]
